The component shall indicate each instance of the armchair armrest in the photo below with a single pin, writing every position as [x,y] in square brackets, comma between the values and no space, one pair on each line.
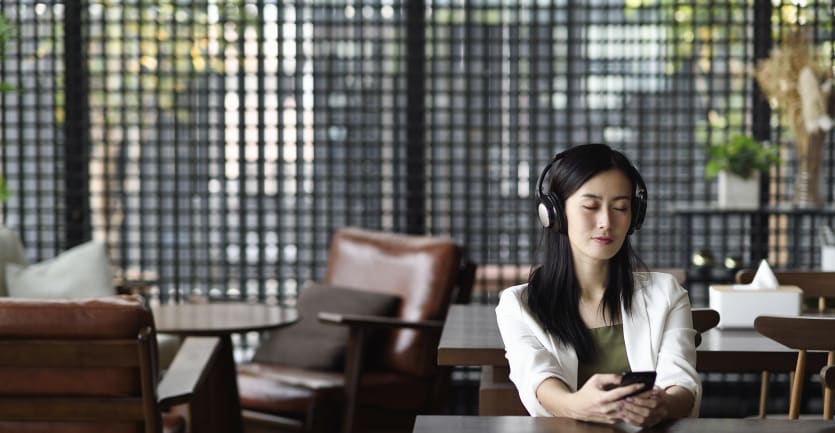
[368,321]
[360,326]
[188,371]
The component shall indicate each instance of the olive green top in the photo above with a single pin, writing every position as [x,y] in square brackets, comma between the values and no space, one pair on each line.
[611,354]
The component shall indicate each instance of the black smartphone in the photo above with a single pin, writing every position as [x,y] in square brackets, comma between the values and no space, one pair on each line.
[645,377]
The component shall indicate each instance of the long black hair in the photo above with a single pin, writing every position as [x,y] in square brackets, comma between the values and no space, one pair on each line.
[553,289]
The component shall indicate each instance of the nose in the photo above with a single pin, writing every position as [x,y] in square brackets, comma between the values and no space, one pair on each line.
[604,218]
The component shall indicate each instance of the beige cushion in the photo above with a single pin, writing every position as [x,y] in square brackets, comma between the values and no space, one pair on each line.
[308,343]
[11,251]
[80,272]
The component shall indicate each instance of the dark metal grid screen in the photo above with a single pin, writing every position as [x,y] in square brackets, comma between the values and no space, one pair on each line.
[31,122]
[224,141]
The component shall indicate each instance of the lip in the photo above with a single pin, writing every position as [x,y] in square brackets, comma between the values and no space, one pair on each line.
[602,240]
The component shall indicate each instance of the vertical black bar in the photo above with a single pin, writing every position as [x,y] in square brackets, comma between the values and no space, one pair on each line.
[76,143]
[760,128]
[261,167]
[761,112]
[415,115]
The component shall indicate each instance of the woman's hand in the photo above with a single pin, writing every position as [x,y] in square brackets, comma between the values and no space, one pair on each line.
[601,399]
[645,409]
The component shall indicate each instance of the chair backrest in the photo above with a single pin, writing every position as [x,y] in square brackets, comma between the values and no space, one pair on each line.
[828,376]
[815,284]
[703,320]
[802,333]
[424,271]
[77,365]
[828,381]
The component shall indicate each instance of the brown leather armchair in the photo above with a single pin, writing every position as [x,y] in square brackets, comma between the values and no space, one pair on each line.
[90,366]
[388,386]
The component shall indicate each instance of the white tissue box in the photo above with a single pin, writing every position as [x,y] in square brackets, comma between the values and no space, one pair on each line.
[828,257]
[739,307]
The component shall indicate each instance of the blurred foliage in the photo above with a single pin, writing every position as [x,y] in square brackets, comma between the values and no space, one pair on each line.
[741,155]
[168,47]
[6,33]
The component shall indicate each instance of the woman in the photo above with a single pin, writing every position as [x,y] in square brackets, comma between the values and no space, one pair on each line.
[585,315]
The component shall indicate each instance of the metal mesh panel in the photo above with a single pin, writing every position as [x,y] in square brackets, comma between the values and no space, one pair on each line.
[231,137]
[31,122]
[216,145]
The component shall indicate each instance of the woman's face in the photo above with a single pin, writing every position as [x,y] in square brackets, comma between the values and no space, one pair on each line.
[598,216]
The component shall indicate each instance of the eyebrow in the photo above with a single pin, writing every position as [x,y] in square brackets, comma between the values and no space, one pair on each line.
[597,197]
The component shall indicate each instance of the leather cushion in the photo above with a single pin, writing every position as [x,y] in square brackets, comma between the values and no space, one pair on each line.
[99,318]
[289,391]
[264,388]
[308,343]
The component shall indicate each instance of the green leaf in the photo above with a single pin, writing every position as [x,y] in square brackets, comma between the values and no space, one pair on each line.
[4,192]
[741,155]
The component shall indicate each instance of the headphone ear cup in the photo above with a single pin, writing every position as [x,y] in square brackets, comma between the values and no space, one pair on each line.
[545,211]
[640,207]
[551,213]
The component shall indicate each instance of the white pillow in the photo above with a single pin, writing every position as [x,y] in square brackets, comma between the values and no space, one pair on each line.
[80,272]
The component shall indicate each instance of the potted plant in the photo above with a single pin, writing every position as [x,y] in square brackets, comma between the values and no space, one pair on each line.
[738,163]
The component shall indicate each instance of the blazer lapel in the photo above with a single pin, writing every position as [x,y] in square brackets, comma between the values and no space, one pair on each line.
[638,335]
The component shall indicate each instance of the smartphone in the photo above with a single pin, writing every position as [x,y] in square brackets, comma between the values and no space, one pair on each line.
[645,377]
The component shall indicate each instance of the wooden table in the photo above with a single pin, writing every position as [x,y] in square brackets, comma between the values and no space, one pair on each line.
[527,424]
[222,409]
[470,337]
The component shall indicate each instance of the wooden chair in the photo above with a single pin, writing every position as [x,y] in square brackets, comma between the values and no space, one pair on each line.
[703,320]
[392,381]
[802,333]
[828,382]
[90,366]
[817,285]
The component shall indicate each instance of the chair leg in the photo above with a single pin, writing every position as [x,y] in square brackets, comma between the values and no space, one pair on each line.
[764,377]
[827,391]
[353,371]
[797,385]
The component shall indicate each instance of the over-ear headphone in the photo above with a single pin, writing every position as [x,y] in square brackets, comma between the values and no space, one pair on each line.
[552,211]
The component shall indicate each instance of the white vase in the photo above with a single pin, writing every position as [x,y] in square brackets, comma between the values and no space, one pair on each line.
[738,193]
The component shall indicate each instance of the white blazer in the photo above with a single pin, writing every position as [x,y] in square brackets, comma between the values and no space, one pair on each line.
[658,335]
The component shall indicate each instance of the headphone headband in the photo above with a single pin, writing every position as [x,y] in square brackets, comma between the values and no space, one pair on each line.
[551,210]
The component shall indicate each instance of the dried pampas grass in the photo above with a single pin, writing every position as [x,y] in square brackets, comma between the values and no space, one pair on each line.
[796,82]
